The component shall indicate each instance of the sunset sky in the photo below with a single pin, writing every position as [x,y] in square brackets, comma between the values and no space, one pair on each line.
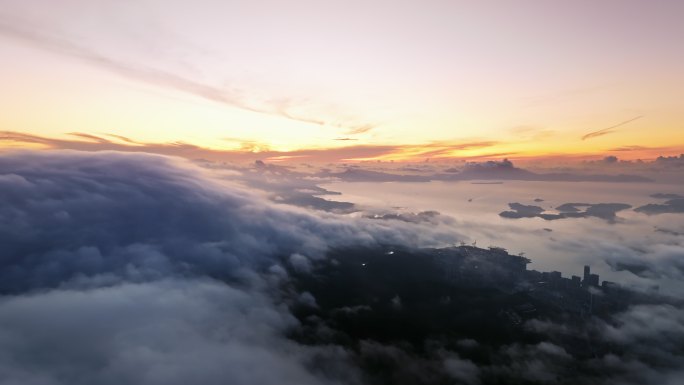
[353,79]
[328,192]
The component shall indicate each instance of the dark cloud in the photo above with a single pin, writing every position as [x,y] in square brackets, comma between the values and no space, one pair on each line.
[647,342]
[640,345]
[70,214]
[488,170]
[610,159]
[447,331]
[667,231]
[609,130]
[141,269]
[493,170]
[360,175]
[506,170]
[665,169]
[670,161]
[163,332]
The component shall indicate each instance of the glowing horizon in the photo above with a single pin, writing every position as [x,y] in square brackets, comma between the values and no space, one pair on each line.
[529,82]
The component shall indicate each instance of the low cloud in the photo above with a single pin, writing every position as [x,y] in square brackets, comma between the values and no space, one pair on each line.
[497,170]
[143,269]
[66,214]
[163,332]
[91,142]
[655,262]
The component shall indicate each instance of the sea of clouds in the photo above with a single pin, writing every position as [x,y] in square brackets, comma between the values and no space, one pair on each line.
[144,269]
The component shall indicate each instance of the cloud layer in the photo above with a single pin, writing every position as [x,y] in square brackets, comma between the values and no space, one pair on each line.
[163,332]
[66,215]
[142,269]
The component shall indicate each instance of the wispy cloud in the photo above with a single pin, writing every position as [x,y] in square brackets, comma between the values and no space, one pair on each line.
[650,149]
[609,130]
[565,95]
[89,137]
[528,132]
[360,129]
[249,150]
[123,138]
[634,148]
[163,78]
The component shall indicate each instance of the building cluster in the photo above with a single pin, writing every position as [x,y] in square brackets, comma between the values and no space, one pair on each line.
[495,267]
[555,280]
[475,264]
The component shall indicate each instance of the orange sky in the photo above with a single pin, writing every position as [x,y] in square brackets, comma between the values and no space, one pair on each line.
[345,81]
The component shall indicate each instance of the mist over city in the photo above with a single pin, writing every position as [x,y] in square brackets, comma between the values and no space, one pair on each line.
[350,193]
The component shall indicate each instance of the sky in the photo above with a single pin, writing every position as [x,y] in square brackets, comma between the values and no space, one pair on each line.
[357,80]
[182,253]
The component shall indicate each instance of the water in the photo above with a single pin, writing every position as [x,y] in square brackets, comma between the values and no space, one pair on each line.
[564,245]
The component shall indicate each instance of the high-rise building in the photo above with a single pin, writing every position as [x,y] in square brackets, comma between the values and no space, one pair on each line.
[589,279]
[576,281]
[593,280]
